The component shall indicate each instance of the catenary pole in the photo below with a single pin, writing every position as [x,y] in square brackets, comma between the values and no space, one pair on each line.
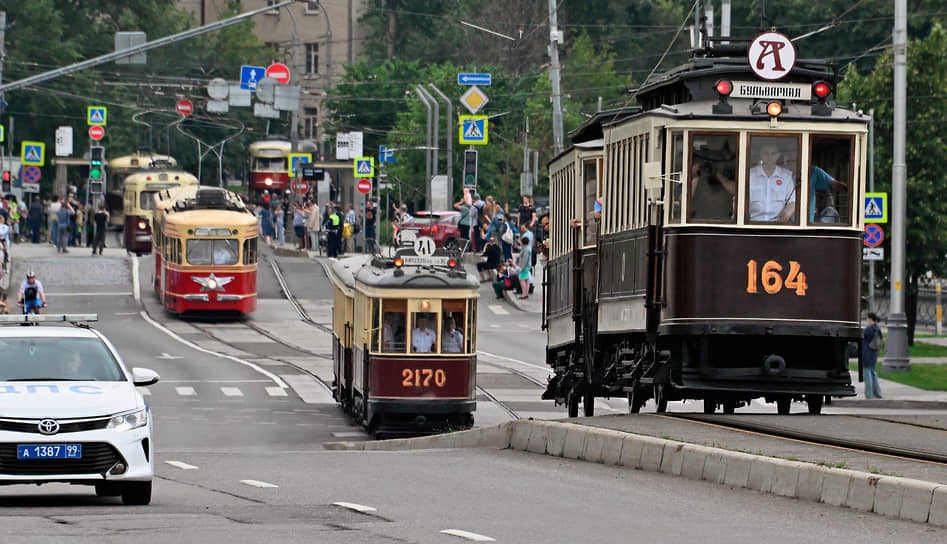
[450,143]
[555,36]
[897,345]
[427,147]
[871,189]
[154,44]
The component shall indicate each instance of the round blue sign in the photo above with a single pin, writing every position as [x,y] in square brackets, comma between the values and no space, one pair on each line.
[31,174]
[874,235]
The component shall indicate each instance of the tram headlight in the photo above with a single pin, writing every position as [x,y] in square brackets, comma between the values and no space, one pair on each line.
[212,284]
[142,225]
[451,263]
[399,262]
[425,305]
[774,109]
[268,181]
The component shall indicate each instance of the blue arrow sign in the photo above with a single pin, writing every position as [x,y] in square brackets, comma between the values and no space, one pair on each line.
[473,79]
[250,76]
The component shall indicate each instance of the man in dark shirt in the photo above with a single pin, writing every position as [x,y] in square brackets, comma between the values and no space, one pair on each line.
[370,226]
[527,215]
[101,224]
[35,219]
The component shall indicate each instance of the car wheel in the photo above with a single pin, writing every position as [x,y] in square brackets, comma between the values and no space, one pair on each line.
[108,490]
[136,493]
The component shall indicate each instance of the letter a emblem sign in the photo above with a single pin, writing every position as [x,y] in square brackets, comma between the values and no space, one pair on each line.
[772,56]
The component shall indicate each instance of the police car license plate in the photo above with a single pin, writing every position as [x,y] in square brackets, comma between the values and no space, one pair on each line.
[49,451]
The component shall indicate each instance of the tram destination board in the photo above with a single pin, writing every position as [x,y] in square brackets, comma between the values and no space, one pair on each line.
[425,260]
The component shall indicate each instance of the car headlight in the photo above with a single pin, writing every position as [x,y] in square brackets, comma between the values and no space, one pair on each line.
[129,421]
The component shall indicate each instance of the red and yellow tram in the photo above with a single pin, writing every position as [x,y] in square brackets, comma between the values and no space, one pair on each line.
[269,164]
[404,346]
[207,260]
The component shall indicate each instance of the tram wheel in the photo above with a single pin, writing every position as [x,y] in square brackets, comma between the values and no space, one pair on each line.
[572,403]
[710,406]
[782,405]
[660,399]
[588,404]
[729,407]
[815,403]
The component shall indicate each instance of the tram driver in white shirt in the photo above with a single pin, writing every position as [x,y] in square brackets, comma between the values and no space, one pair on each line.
[772,187]
[422,338]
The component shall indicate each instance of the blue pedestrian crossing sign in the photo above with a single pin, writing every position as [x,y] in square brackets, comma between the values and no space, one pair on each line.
[295,162]
[365,167]
[32,153]
[473,129]
[876,207]
[97,116]
[250,76]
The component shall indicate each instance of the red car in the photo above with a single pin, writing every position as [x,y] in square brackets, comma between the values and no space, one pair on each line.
[443,228]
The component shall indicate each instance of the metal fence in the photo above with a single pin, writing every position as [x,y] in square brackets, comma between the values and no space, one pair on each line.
[926,307]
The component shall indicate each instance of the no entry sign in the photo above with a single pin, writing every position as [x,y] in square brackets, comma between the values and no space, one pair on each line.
[96,132]
[300,186]
[185,107]
[364,186]
[279,72]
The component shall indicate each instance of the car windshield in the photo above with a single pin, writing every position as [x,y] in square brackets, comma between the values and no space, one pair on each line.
[55,359]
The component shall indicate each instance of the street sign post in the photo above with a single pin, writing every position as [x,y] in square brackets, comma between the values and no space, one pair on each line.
[31,174]
[32,153]
[474,100]
[250,76]
[874,235]
[876,207]
[365,167]
[296,160]
[185,107]
[279,72]
[96,132]
[473,79]
[473,129]
[364,186]
[97,115]
[873,253]
[300,186]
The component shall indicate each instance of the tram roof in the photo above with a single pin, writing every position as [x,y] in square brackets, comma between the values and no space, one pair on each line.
[160,179]
[374,272]
[211,218]
[140,160]
[302,146]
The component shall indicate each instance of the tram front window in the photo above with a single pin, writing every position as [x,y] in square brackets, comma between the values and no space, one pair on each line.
[712,178]
[830,171]
[392,333]
[454,324]
[216,252]
[774,164]
[271,165]
[424,334]
[147,200]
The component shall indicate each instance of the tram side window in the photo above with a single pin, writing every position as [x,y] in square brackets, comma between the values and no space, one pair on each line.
[424,332]
[830,177]
[376,324]
[394,317]
[677,176]
[249,251]
[454,325]
[711,180]
[774,180]
[218,252]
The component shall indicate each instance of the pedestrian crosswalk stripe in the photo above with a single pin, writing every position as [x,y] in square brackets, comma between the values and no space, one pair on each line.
[472,132]
[310,390]
[186,391]
[274,391]
[231,391]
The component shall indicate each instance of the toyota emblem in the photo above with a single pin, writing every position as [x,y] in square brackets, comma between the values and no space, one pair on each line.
[48,426]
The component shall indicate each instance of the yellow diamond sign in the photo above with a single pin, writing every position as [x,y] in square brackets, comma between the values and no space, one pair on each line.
[474,99]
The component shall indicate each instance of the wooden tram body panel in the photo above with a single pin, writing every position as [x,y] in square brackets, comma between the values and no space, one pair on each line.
[185,284]
[669,303]
[139,190]
[392,389]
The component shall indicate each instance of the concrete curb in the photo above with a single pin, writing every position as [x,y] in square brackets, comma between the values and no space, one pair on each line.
[900,498]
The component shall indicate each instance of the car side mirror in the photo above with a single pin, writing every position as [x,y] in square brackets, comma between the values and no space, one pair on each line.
[144,376]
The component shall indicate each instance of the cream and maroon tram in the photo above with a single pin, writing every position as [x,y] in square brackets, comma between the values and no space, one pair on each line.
[404,346]
[139,189]
[725,264]
[205,251]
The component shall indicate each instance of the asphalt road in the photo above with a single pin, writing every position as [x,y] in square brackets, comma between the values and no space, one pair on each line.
[240,419]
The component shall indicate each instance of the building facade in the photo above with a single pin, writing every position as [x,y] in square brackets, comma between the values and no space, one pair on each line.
[314,38]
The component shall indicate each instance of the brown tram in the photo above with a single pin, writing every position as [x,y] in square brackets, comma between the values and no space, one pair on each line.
[725,262]
[405,341]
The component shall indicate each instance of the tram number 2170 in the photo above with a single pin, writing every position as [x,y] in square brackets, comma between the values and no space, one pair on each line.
[422,377]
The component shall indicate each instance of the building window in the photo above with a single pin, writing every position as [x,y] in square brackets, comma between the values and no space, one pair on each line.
[312,58]
[312,122]
[272,3]
[312,7]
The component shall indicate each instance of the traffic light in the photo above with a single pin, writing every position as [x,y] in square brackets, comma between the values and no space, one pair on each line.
[7,182]
[96,168]
[470,168]
[97,187]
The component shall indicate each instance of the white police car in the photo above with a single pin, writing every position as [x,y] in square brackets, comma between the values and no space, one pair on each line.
[69,410]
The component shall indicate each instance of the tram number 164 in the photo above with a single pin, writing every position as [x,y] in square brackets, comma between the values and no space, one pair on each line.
[422,377]
[771,279]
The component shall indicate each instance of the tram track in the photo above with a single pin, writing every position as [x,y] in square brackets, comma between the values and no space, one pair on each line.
[753,426]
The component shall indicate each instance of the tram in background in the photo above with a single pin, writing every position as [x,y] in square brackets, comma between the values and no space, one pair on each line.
[725,264]
[139,190]
[269,165]
[206,260]
[404,345]
[118,170]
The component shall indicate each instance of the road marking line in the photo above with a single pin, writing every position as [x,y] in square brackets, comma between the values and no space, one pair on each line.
[258,483]
[136,279]
[349,434]
[108,294]
[186,391]
[181,465]
[276,379]
[357,507]
[309,389]
[145,392]
[468,535]
[497,309]
[274,391]
[517,361]
[231,391]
